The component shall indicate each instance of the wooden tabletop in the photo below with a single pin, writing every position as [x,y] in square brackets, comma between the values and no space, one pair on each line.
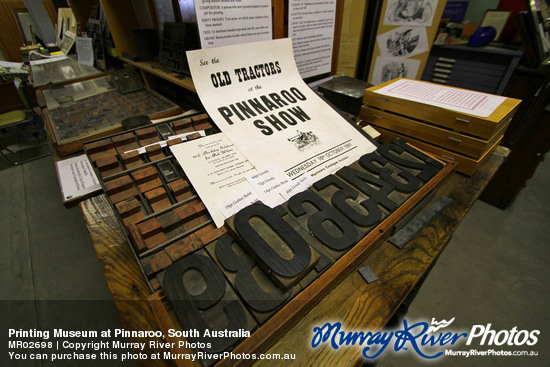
[353,302]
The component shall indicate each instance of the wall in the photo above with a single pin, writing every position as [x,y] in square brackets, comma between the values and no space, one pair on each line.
[476,9]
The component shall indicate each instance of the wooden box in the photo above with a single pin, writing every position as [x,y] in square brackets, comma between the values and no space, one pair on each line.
[456,135]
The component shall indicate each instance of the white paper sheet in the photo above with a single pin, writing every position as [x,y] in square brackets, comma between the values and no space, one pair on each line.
[311,27]
[268,184]
[228,22]
[403,42]
[215,168]
[254,94]
[466,101]
[76,177]
[85,50]
[388,68]
[410,12]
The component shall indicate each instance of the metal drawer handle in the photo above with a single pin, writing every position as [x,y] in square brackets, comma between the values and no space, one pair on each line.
[462,120]
[454,139]
[446,156]
[377,116]
[383,99]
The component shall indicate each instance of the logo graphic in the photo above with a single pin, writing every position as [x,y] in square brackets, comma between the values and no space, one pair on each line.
[428,341]
[439,325]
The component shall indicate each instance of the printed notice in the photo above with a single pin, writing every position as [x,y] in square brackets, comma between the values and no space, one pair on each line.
[215,168]
[470,102]
[76,177]
[268,183]
[311,27]
[85,51]
[255,95]
[228,22]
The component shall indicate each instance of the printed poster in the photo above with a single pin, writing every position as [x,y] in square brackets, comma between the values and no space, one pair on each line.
[255,95]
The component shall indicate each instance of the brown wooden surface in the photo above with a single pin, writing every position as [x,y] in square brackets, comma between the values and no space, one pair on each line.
[352,302]
[154,69]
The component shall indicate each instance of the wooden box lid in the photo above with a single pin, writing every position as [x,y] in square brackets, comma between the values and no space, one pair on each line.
[456,119]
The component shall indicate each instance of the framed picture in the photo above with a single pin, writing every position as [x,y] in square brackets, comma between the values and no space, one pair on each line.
[496,19]
[26,25]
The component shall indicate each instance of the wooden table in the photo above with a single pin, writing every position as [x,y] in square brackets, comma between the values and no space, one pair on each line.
[358,305]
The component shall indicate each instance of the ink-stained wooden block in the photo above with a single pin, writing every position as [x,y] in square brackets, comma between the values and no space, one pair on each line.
[100,149]
[170,224]
[125,142]
[283,254]
[155,284]
[180,189]
[130,210]
[182,247]
[258,292]
[135,238]
[158,199]
[108,166]
[120,188]
[151,233]
[190,210]
[193,136]
[154,263]
[174,141]
[199,119]
[147,178]
[210,233]
[147,135]
[155,152]
[203,299]
[131,159]
[182,126]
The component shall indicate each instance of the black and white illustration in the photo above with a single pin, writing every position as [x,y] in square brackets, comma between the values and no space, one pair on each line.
[410,12]
[388,68]
[304,140]
[403,42]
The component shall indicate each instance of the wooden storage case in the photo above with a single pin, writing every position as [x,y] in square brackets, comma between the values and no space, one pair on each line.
[466,138]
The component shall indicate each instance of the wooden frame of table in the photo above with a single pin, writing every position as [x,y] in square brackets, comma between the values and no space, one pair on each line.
[353,302]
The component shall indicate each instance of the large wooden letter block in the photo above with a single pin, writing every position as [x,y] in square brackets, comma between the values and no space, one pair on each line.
[279,249]
[258,291]
[203,300]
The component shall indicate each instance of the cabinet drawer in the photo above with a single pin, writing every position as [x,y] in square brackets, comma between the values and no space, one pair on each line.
[466,165]
[444,138]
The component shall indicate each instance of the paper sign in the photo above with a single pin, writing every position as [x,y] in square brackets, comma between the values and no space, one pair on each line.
[77,177]
[239,199]
[466,101]
[255,95]
[85,51]
[311,27]
[227,22]
[215,168]
[303,183]
[268,183]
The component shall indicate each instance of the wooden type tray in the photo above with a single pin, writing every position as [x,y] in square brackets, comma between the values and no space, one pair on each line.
[153,200]
[273,265]
[101,115]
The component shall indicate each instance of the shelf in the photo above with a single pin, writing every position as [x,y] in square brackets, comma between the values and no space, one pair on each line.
[155,69]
